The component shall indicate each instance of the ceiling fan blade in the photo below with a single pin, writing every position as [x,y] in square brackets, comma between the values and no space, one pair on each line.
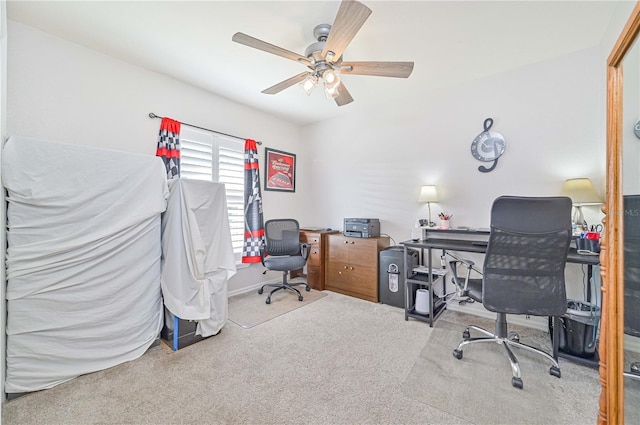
[286,83]
[344,96]
[380,69]
[247,40]
[350,18]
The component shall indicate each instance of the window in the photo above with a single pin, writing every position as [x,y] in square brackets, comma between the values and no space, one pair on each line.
[209,156]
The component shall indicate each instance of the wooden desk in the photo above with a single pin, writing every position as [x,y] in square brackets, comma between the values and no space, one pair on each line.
[316,261]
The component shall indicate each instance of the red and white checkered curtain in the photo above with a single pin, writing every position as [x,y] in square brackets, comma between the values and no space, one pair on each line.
[169,146]
[253,218]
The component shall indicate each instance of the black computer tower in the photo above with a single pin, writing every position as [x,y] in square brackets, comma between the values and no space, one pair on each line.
[393,273]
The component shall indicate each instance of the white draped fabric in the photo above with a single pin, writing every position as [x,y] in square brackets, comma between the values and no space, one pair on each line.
[83,259]
[197,253]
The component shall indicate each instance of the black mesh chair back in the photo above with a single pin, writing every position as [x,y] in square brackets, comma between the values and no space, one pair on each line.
[523,271]
[631,243]
[282,237]
[283,252]
[526,256]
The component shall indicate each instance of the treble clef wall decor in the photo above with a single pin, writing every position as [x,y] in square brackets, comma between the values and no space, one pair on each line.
[488,146]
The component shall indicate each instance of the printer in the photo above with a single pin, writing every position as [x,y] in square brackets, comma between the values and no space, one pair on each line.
[361,227]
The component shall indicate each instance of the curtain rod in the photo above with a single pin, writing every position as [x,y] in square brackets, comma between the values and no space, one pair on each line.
[152,115]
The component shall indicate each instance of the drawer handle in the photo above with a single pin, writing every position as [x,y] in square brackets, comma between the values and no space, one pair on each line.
[339,272]
[346,241]
[352,242]
[345,267]
[351,268]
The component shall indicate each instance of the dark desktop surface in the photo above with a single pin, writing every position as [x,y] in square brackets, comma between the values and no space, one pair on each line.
[461,229]
[480,246]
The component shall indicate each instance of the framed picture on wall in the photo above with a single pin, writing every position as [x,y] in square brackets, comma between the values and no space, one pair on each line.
[280,170]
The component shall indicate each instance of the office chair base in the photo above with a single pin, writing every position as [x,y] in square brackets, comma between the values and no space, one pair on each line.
[517,382]
[279,286]
[512,340]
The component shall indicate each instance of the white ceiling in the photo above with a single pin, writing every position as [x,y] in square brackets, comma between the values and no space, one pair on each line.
[450,42]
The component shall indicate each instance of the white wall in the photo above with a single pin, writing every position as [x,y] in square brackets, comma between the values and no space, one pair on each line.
[372,165]
[65,92]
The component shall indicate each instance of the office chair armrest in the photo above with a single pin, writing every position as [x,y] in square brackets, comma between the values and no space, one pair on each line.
[305,250]
[262,253]
[464,261]
[453,267]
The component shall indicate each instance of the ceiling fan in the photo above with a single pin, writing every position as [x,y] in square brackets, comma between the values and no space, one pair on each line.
[324,57]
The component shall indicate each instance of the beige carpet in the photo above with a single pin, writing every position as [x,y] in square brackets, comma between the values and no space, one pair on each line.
[478,387]
[338,361]
[250,309]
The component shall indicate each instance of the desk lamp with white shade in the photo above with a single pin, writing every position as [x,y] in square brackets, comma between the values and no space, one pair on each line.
[428,194]
[581,192]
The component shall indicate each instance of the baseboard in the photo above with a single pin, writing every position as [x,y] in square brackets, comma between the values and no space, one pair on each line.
[249,288]
[256,286]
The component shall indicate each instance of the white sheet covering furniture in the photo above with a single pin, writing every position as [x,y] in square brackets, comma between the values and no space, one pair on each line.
[197,254]
[83,259]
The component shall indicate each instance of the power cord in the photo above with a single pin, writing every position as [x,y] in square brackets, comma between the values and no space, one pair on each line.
[389,236]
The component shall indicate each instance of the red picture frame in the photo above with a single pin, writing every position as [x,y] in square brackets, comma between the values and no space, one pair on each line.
[279,170]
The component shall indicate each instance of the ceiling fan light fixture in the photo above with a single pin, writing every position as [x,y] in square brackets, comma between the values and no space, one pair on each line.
[331,92]
[330,79]
[309,84]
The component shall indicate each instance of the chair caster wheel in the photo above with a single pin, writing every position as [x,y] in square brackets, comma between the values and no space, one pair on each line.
[300,298]
[457,354]
[466,335]
[517,382]
[513,336]
[308,288]
[555,371]
[260,291]
[268,301]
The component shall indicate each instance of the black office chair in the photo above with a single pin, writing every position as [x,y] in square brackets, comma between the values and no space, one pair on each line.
[283,252]
[631,243]
[523,270]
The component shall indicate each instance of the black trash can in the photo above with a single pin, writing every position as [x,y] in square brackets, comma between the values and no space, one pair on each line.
[579,329]
[392,274]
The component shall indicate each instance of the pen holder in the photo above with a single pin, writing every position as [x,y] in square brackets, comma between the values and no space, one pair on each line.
[444,224]
[587,246]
